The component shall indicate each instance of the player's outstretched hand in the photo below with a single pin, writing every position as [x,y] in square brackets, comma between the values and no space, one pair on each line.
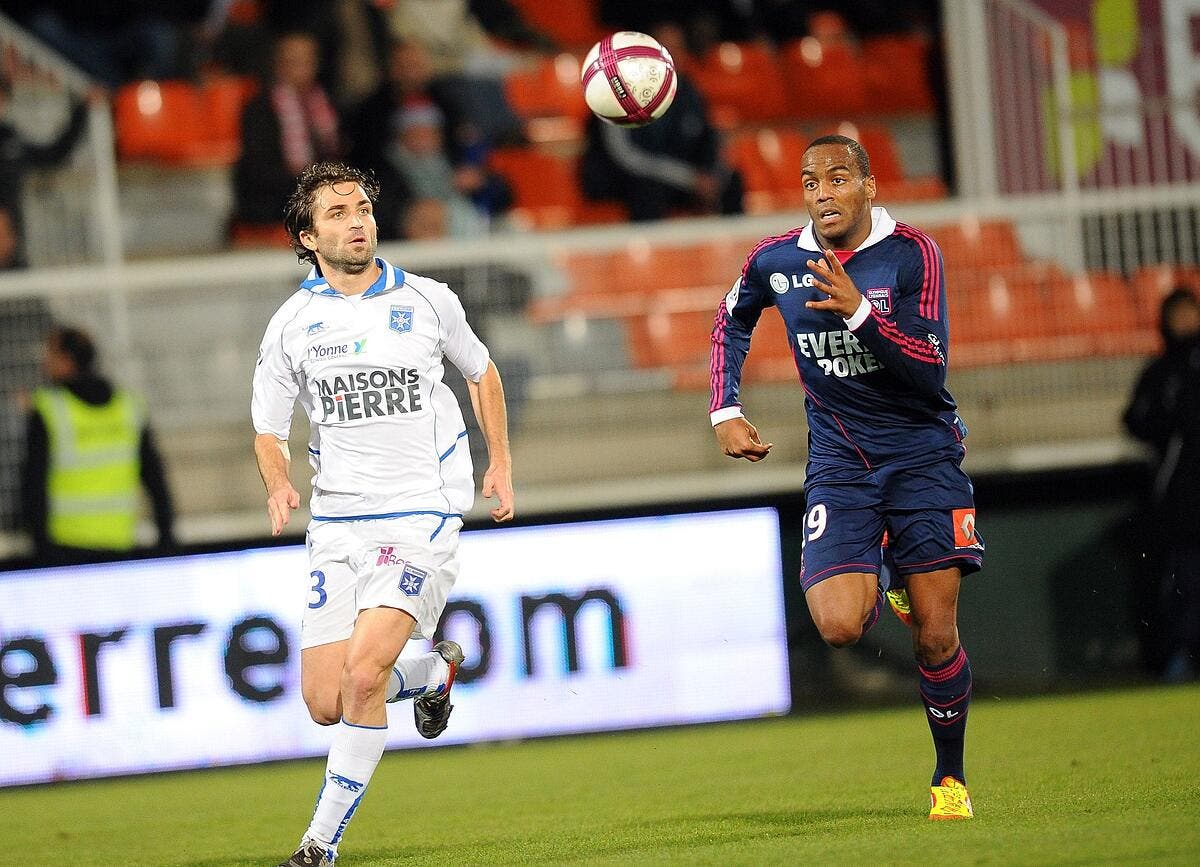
[832,279]
[739,439]
[497,482]
[280,504]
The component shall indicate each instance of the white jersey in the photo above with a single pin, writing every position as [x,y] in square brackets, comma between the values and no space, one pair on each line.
[388,437]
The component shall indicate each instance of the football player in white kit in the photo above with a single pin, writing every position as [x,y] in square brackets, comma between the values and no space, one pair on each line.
[361,346]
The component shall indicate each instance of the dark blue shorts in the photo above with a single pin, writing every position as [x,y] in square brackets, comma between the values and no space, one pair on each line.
[923,512]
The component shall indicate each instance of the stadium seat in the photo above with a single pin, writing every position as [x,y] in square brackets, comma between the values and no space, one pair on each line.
[742,83]
[548,89]
[545,189]
[1005,314]
[571,23]
[161,121]
[971,245]
[1153,283]
[897,74]
[1099,314]
[824,79]
[222,99]
[769,160]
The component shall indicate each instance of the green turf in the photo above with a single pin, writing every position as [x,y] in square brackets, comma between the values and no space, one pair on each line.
[1083,779]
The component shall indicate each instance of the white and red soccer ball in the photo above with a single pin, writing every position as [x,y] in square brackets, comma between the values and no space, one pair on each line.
[628,79]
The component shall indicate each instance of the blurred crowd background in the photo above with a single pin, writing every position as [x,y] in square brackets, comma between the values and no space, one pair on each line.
[1051,147]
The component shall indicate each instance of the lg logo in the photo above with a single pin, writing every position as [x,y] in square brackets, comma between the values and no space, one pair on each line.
[780,283]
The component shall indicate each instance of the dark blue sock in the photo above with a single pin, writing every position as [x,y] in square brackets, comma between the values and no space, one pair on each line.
[873,617]
[946,692]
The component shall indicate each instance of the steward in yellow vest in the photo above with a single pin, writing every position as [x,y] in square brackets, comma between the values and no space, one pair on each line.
[89,453]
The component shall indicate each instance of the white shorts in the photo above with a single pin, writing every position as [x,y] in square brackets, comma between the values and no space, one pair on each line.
[393,563]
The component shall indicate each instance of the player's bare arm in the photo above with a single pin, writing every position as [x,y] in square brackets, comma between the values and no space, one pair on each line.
[487,399]
[844,297]
[273,465]
[739,439]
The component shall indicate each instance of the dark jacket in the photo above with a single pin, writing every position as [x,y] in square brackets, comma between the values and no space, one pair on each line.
[1165,412]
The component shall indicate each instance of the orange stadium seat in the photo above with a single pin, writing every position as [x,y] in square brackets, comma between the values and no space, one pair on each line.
[545,189]
[221,100]
[1098,315]
[824,79]
[1153,283]
[971,245]
[548,88]
[897,74]
[769,160]
[572,23]
[1004,315]
[742,83]
[160,121]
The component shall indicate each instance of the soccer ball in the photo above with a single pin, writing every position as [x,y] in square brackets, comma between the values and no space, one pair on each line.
[628,79]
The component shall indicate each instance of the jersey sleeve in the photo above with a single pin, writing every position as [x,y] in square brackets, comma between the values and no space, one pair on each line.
[737,314]
[912,344]
[459,342]
[273,398]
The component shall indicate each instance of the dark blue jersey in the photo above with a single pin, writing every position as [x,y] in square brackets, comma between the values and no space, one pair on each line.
[874,385]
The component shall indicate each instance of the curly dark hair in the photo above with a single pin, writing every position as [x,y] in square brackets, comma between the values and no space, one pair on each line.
[857,151]
[298,213]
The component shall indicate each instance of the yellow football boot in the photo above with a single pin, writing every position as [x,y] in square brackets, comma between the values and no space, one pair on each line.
[901,607]
[950,800]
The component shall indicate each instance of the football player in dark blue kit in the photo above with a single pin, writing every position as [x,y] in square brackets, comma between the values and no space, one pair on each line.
[863,300]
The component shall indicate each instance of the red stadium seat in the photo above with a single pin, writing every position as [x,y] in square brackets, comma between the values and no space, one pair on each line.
[897,74]
[221,100]
[162,121]
[572,23]
[549,88]
[742,83]
[545,189]
[769,160]
[1152,284]
[824,79]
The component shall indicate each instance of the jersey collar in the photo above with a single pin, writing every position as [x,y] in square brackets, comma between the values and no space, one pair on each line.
[882,225]
[389,278]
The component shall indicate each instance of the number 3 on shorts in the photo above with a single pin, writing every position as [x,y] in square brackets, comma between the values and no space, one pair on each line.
[318,587]
[815,522]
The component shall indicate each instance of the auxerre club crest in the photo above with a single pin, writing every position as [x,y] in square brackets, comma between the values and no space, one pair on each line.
[401,319]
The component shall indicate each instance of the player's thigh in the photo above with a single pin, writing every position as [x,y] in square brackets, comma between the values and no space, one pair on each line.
[410,565]
[330,607]
[930,513]
[843,528]
[321,679]
[839,605]
[379,635]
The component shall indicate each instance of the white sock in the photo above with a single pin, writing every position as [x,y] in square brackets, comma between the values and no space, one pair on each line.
[352,759]
[416,675]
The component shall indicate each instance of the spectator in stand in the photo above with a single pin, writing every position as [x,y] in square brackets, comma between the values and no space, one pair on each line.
[402,158]
[18,157]
[88,449]
[1165,413]
[113,41]
[672,164]
[459,34]
[289,126]
[469,193]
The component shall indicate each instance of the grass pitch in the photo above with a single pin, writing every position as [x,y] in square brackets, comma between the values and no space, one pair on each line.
[1083,779]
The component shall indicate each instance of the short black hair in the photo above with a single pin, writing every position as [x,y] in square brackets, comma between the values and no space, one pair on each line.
[298,213]
[856,150]
[76,343]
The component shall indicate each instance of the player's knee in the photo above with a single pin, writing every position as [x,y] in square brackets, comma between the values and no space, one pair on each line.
[935,644]
[324,710]
[839,632]
[362,683]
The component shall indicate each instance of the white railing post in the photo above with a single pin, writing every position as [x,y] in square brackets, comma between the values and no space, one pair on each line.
[969,80]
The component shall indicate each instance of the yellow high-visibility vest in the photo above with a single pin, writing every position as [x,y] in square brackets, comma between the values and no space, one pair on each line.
[95,469]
